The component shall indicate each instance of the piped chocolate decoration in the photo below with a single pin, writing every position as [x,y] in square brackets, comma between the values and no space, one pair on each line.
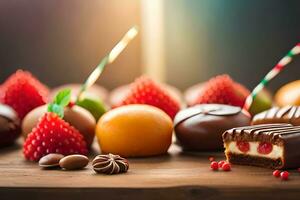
[110,164]
[200,128]
[287,114]
[206,109]
[285,136]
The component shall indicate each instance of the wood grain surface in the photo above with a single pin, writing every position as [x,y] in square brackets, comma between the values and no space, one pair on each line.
[174,176]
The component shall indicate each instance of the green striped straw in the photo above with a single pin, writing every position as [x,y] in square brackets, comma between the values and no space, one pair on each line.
[108,59]
[274,72]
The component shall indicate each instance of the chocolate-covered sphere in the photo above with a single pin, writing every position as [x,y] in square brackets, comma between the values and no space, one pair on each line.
[200,128]
[78,117]
[10,128]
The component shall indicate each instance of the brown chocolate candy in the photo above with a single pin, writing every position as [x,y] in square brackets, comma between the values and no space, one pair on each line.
[287,114]
[110,164]
[73,162]
[201,127]
[10,127]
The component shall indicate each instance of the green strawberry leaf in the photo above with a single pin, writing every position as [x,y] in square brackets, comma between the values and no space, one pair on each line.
[61,100]
[63,97]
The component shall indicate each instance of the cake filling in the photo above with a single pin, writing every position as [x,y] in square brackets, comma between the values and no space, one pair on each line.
[259,149]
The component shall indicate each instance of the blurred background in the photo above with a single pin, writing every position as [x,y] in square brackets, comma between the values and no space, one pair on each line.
[182,42]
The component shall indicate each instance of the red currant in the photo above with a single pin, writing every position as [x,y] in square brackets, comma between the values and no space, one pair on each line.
[284,175]
[243,146]
[211,159]
[226,166]
[276,173]
[221,163]
[214,165]
[265,148]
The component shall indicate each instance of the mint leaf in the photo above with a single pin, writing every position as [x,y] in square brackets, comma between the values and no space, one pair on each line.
[55,108]
[63,98]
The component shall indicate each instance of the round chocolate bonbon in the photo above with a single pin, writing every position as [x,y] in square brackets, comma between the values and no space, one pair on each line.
[200,128]
[10,127]
[110,164]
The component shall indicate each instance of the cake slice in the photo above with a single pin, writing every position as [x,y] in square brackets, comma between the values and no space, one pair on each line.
[274,146]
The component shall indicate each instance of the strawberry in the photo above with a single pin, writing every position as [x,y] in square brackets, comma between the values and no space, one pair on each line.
[54,135]
[223,90]
[23,92]
[146,91]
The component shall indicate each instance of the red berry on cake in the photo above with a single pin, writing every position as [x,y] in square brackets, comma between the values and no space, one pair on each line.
[54,135]
[223,90]
[23,92]
[145,91]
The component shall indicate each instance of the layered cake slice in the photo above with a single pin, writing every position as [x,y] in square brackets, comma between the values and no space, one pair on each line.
[268,145]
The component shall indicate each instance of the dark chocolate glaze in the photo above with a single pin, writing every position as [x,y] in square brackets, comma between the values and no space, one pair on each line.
[287,114]
[285,135]
[200,128]
[10,128]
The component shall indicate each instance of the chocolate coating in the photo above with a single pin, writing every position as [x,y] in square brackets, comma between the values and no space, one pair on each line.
[200,128]
[287,114]
[9,125]
[284,135]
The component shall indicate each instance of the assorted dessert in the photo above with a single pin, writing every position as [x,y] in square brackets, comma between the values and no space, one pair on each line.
[267,145]
[59,130]
[135,131]
[200,128]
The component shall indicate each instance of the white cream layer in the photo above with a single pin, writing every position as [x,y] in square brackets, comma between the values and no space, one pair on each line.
[277,151]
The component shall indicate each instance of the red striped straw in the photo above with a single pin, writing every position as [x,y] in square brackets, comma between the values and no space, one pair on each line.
[274,72]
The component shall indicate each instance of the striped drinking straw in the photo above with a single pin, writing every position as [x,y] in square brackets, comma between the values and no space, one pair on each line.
[276,70]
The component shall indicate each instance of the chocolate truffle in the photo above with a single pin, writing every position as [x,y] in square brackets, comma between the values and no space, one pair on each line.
[78,117]
[9,125]
[200,128]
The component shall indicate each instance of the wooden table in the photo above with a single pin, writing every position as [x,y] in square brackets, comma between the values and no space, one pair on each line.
[174,176]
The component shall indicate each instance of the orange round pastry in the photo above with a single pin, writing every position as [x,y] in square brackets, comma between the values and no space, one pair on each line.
[288,94]
[135,131]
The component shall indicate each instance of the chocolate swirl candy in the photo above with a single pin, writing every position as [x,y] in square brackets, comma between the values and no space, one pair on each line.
[110,164]
[287,114]
[266,145]
[201,127]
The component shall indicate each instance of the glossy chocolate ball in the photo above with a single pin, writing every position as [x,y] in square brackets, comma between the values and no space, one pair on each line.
[10,128]
[200,128]
[78,117]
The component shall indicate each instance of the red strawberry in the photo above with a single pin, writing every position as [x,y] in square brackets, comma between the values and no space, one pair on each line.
[146,91]
[223,90]
[53,135]
[23,92]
